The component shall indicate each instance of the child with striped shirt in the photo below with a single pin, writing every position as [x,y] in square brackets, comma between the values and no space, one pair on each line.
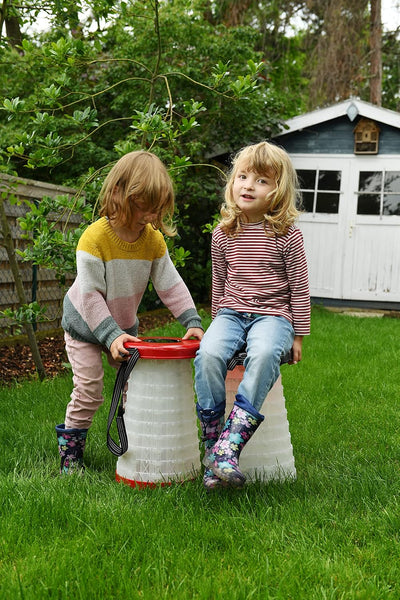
[260,301]
[116,256]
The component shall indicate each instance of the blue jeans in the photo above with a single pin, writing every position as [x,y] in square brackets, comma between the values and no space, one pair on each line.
[265,338]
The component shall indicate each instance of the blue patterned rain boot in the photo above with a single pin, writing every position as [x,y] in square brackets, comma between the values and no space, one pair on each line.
[223,458]
[211,422]
[71,445]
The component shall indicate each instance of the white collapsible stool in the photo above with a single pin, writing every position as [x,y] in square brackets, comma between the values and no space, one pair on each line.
[160,416]
[268,455]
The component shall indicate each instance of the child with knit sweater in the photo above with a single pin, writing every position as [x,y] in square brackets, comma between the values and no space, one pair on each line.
[260,301]
[116,256]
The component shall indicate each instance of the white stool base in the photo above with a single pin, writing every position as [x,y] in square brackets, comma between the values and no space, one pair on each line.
[269,453]
[161,425]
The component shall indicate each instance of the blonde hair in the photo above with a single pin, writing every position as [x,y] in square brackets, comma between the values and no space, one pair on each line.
[265,159]
[138,176]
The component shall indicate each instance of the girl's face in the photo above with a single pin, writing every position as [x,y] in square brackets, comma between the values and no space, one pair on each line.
[141,216]
[250,192]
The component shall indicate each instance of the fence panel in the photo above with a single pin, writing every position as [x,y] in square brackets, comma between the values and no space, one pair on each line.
[39,283]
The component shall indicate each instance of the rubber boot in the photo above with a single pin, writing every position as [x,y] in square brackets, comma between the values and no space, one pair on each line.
[211,422]
[71,445]
[223,458]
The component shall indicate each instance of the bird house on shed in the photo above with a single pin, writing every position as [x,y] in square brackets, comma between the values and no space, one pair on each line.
[366,137]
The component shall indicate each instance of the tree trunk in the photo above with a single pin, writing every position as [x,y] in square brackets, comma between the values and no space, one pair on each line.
[9,246]
[13,28]
[376,53]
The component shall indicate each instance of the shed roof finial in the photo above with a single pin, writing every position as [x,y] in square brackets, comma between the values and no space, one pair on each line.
[352,111]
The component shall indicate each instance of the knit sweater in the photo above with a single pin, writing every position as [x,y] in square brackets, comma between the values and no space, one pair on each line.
[112,276]
[261,274]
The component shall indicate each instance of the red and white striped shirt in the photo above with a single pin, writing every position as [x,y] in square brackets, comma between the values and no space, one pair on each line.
[261,274]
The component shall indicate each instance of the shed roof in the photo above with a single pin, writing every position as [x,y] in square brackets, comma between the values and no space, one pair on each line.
[352,107]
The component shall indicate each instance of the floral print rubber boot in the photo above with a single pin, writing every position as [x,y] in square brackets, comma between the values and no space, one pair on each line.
[211,421]
[211,432]
[223,458]
[71,445]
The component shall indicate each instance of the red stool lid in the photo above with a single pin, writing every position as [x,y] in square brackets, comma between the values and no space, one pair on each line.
[164,347]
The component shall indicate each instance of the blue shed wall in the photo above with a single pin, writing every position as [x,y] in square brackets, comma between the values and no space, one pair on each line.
[336,137]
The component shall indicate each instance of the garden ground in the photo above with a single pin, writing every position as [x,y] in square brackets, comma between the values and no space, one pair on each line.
[331,534]
[16,362]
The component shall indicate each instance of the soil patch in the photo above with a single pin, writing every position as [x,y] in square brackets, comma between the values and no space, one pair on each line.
[16,362]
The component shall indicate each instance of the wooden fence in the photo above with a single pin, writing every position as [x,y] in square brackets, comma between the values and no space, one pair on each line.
[39,283]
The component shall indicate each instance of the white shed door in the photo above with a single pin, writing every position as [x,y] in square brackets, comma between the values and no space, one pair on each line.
[351,226]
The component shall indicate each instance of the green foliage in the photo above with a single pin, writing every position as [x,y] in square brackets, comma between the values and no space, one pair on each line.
[53,243]
[12,106]
[391,70]
[159,78]
[73,92]
[26,313]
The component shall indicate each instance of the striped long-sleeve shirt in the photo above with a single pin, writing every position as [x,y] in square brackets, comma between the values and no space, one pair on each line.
[112,276]
[261,274]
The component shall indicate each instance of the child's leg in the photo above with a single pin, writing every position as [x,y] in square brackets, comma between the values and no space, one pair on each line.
[87,393]
[224,337]
[223,457]
[211,422]
[86,397]
[268,339]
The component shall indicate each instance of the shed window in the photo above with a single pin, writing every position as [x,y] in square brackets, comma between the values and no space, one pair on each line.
[320,190]
[379,193]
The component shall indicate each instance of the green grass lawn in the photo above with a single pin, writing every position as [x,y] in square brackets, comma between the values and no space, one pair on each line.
[331,534]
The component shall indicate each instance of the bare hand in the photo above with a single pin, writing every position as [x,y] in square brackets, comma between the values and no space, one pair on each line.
[195,332]
[296,349]
[117,349]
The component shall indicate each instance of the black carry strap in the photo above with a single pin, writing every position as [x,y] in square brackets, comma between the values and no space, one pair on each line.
[122,377]
[238,359]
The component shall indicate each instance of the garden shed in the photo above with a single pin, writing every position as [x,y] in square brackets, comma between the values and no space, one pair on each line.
[347,157]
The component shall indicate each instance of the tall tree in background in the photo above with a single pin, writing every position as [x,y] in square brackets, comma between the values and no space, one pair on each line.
[9,18]
[229,12]
[345,51]
[338,53]
[338,63]
[376,53]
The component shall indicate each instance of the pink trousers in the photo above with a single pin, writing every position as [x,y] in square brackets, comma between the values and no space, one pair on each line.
[88,373]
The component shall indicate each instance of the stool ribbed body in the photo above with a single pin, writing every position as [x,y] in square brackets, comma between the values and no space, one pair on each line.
[161,424]
[269,453]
